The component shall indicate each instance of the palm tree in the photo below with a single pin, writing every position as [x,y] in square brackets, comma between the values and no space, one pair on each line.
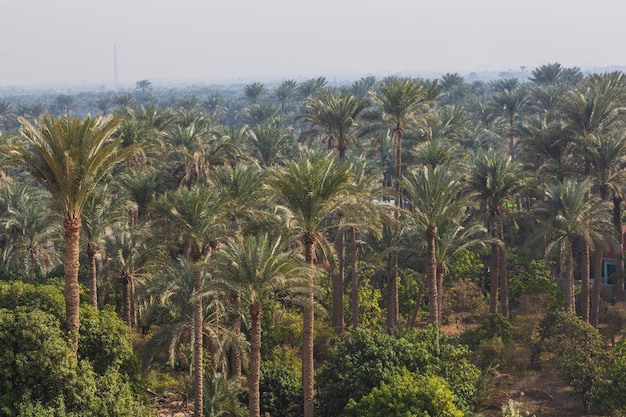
[258,268]
[31,228]
[65,103]
[606,155]
[570,212]
[436,196]
[404,103]
[496,178]
[192,220]
[102,211]
[71,157]
[337,115]
[285,93]
[313,188]
[269,142]
[253,92]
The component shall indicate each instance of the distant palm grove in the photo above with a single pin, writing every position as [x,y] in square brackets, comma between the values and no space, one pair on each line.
[389,247]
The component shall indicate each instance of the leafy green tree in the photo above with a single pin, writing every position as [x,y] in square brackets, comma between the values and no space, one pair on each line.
[407,395]
[71,157]
[577,351]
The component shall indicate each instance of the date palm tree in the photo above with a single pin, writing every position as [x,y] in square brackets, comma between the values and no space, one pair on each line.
[254,91]
[496,178]
[71,157]
[435,194]
[314,188]
[192,218]
[570,212]
[258,268]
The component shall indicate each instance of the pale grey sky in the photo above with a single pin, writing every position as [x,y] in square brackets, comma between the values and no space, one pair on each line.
[71,41]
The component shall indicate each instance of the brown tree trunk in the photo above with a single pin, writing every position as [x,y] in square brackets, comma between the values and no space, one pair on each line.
[337,284]
[254,402]
[570,305]
[308,367]
[71,265]
[597,288]
[354,279]
[502,272]
[619,272]
[431,275]
[494,276]
[392,293]
[93,284]
[584,277]
[440,274]
[198,366]
[126,296]
[235,353]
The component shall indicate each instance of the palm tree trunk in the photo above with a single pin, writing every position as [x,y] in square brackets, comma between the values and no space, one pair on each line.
[570,305]
[93,284]
[494,276]
[502,272]
[254,402]
[354,278]
[235,353]
[584,277]
[392,293]
[126,296]
[619,272]
[71,264]
[338,282]
[431,275]
[308,370]
[597,288]
[198,366]
[440,274]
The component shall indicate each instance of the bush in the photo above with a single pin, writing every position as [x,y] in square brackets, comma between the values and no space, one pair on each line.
[609,392]
[577,351]
[407,395]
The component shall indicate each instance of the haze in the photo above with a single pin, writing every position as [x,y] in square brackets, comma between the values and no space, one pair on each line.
[71,41]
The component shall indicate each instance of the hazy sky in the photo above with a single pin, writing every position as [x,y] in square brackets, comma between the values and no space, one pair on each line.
[71,41]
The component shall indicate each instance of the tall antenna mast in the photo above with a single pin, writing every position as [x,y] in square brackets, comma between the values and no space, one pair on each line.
[115,65]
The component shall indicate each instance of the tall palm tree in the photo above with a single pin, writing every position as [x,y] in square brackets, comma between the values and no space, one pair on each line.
[606,156]
[569,212]
[269,142]
[258,268]
[404,103]
[496,178]
[102,212]
[192,218]
[285,93]
[313,188]
[253,92]
[436,196]
[71,157]
[337,115]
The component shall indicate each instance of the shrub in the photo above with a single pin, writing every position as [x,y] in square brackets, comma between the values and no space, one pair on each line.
[407,395]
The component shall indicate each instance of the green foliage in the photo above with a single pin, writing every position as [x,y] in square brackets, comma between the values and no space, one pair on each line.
[407,395]
[576,350]
[491,326]
[466,265]
[281,391]
[221,396]
[408,290]
[362,359]
[534,279]
[36,360]
[609,391]
[105,341]
[38,372]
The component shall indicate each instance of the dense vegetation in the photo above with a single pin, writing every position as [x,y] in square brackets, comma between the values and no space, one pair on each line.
[371,249]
